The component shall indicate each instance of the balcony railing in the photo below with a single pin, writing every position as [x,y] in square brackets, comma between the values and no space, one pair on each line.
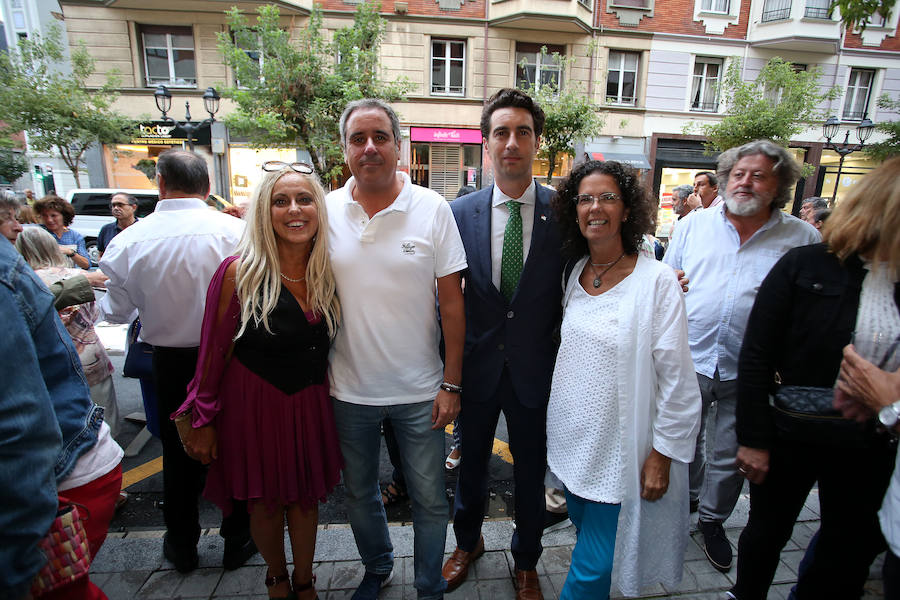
[854,115]
[776,14]
[814,12]
[705,106]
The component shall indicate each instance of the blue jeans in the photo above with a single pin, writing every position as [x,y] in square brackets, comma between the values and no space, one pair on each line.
[422,455]
[590,572]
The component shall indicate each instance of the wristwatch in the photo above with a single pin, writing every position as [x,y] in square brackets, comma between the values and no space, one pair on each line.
[890,414]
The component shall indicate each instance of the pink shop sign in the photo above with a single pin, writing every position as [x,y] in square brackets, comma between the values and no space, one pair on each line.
[451,136]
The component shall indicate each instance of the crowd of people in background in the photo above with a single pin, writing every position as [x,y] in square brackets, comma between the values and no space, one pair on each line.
[637,389]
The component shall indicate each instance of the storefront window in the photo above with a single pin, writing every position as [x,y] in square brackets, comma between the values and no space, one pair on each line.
[855,166]
[245,166]
[541,166]
[131,166]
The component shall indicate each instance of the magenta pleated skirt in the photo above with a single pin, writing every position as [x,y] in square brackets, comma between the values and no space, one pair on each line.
[273,448]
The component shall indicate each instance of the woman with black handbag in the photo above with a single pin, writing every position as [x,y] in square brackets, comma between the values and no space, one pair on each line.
[807,309]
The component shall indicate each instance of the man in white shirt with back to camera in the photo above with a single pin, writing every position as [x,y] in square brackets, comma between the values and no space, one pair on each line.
[161,266]
[727,250]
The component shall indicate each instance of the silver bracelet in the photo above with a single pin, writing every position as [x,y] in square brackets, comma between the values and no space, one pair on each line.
[451,387]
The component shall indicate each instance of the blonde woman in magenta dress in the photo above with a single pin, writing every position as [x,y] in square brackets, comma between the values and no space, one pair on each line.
[260,405]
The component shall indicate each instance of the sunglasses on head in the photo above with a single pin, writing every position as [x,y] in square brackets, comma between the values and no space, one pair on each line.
[271,166]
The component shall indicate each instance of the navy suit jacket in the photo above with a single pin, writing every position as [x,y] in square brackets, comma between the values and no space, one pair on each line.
[518,334]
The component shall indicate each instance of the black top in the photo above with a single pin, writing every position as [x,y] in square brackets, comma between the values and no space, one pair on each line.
[804,315]
[294,356]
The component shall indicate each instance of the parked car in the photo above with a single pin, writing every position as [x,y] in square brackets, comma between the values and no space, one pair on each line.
[92,211]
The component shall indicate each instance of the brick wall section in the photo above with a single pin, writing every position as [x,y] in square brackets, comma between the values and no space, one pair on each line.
[891,42]
[473,9]
[675,16]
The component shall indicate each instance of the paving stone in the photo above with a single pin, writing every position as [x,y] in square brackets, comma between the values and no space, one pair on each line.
[556,560]
[780,591]
[468,590]
[241,582]
[783,574]
[688,583]
[792,559]
[693,551]
[123,585]
[347,575]
[803,532]
[557,581]
[492,565]
[322,572]
[202,583]
[405,571]
[496,589]
[161,585]
[708,577]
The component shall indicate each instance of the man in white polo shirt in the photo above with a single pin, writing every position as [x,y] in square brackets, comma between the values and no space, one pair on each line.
[393,244]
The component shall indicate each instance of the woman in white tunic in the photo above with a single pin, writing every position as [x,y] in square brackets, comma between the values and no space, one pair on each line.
[625,405]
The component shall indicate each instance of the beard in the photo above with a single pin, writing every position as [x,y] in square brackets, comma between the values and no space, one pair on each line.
[745,208]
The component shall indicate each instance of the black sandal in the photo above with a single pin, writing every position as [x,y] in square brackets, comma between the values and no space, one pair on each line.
[302,587]
[273,580]
[393,493]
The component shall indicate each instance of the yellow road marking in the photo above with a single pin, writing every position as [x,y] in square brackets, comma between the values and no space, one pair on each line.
[151,468]
[142,472]
[501,448]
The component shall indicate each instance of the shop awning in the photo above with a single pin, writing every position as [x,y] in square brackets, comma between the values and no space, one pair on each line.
[638,161]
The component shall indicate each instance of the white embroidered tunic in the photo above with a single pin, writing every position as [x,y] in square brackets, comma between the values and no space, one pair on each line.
[648,366]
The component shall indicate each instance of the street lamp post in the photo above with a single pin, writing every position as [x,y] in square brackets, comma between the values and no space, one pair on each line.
[830,129]
[164,103]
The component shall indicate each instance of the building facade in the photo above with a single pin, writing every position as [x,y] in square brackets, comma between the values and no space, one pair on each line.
[652,68]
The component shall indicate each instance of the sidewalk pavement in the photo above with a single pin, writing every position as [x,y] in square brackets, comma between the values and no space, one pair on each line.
[130,565]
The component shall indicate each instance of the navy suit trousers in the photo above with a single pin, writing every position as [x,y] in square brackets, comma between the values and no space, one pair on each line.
[527,429]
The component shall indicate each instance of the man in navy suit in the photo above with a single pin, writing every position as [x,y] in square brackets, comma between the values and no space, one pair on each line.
[512,304]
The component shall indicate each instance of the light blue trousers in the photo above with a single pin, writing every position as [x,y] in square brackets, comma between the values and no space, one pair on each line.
[590,572]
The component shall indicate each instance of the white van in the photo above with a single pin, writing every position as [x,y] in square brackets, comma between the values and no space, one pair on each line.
[92,211]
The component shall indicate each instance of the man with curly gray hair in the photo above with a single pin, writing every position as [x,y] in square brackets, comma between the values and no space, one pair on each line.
[727,251]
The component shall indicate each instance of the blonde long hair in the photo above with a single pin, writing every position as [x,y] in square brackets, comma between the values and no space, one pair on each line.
[258,280]
[867,221]
[40,249]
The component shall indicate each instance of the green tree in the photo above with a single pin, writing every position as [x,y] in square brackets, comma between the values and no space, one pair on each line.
[291,92]
[12,164]
[59,110]
[856,13]
[891,146]
[780,103]
[570,116]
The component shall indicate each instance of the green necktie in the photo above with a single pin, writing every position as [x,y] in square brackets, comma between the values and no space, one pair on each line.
[511,262]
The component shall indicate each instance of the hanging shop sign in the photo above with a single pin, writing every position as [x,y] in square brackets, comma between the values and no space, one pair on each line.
[449,136]
[163,133]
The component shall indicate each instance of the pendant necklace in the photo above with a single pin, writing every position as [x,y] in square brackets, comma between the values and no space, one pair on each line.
[286,278]
[598,281]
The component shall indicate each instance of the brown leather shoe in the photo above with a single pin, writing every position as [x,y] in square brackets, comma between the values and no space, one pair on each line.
[528,586]
[457,566]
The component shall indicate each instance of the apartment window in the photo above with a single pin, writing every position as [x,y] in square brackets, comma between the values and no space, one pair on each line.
[169,56]
[818,9]
[448,67]
[536,67]
[621,80]
[858,90]
[773,94]
[717,6]
[775,10]
[631,3]
[876,20]
[705,84]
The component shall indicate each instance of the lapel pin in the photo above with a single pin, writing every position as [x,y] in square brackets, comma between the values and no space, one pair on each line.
[543,217]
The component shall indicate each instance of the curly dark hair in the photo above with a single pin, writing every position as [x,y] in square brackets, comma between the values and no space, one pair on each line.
[54,202]
[641,213]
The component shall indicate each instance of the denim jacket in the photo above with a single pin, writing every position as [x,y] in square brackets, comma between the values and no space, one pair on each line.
[47,419]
